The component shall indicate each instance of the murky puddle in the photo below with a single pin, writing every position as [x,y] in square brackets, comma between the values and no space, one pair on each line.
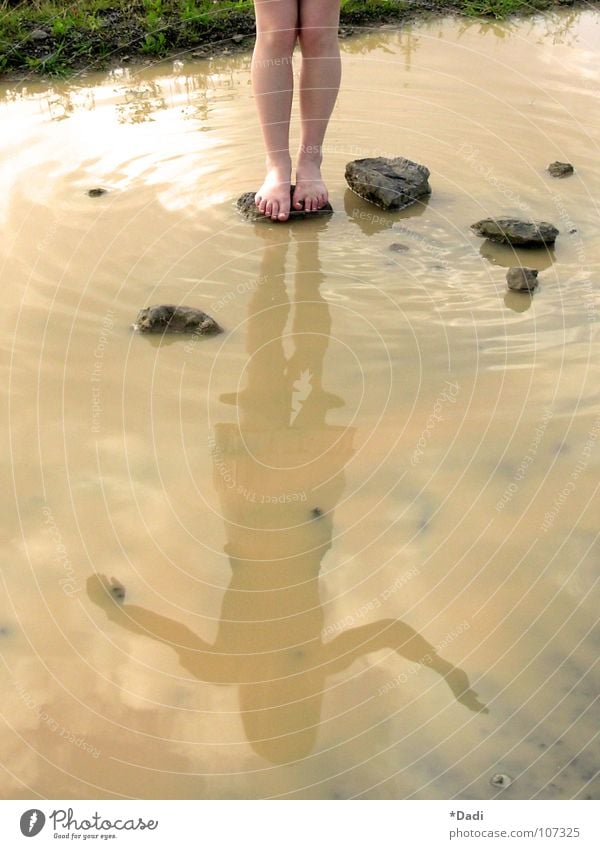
[358,531]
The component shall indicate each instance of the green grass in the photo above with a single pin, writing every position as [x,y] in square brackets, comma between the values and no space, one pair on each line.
[502,8]
[88,33]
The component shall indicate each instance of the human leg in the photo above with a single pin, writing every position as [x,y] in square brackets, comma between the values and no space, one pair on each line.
[319,85]
[273,84]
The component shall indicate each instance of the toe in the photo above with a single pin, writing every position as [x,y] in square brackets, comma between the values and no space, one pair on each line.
[274,210]
[268,208]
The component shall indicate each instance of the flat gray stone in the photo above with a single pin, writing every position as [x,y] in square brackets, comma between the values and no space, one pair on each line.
[168,318]
[247,207]
[390,184]
[513,231]
[560,169]
[522,279]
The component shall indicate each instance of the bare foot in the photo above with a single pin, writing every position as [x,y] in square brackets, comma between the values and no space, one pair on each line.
[310,193]
[459,684]
[273,197]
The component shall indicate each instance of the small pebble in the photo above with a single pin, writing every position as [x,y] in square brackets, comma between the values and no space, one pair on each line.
[522,279]
[560,169]
[398,247]
[316,512]
[237,38]
[95,193]
[39,35]
[501,780]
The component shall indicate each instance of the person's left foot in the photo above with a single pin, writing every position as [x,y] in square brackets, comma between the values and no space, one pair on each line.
[311,192]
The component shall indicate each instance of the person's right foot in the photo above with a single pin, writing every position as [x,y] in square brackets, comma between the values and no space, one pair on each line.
[273,197]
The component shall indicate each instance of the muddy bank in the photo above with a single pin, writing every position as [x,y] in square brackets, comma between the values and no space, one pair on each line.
[96,35]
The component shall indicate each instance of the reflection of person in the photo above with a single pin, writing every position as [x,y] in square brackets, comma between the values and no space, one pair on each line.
[284,474]
[279,24]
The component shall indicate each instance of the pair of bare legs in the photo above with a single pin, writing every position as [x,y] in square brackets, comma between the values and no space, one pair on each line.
[279,25]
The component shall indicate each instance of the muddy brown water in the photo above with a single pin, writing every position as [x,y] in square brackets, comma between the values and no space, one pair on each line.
[358,532]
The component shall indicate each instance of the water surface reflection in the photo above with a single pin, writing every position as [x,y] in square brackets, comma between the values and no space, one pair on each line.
[279,472]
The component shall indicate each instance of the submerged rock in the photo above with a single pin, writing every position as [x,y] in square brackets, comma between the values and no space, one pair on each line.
[390,184]
[95,193]
[501,780]
[522,279]
[560,169]
[247,207]
[513,231]
[168,318]
[399,247]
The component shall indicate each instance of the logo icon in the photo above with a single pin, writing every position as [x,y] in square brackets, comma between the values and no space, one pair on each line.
[32,822]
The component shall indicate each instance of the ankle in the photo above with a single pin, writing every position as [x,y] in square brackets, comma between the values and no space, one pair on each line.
[278,162]
[310,155]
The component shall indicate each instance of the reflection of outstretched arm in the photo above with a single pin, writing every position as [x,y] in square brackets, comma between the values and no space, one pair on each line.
[401,638]
[105,593]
